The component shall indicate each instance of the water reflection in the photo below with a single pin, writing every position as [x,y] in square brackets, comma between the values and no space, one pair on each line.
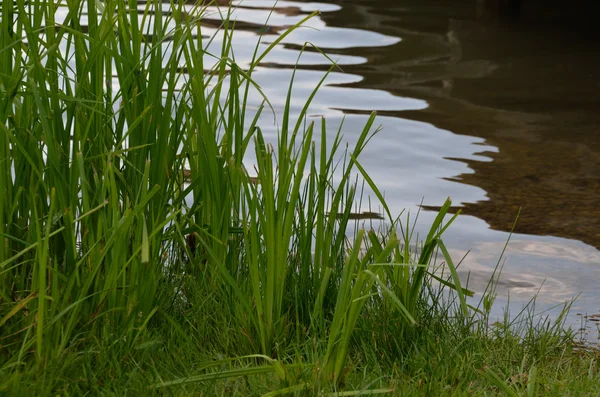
[533,92]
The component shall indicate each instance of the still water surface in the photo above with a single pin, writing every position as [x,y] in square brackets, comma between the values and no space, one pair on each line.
[497,115]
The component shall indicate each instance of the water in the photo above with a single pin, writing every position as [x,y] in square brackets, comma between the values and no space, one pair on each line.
[496,115]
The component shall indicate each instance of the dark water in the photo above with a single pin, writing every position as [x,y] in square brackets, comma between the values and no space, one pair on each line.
[500,115]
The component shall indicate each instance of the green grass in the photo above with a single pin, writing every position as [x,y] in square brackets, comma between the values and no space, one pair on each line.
[139,256]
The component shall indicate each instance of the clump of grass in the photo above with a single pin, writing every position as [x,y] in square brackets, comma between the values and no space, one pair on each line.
[138,253]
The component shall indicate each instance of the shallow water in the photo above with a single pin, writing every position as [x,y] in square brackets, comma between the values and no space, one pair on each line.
[498,115]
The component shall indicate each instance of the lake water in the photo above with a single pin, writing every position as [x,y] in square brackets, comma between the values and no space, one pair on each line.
[497,115]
